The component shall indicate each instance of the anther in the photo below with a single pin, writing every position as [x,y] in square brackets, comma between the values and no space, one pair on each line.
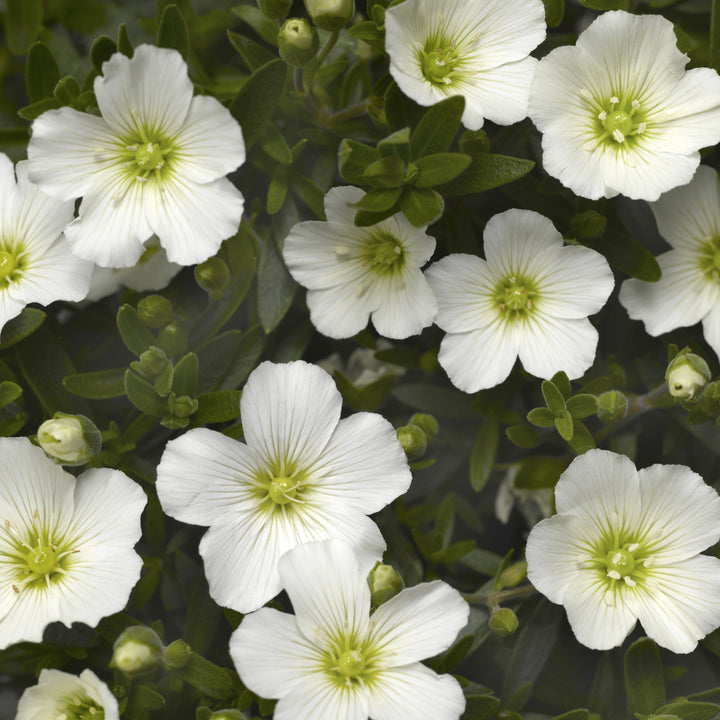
[635,104]
[614,100]
[131,148]
[16,589]
[632,547]
[614,574]
[342,251]
[629,581]
[602,116]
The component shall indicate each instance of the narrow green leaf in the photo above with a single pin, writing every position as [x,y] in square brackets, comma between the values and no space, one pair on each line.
[522,435]
[255,103]
[123,42]
[203,674]
[253,54]
[553,397]
[308,191]
[684,710]
[101,51]
[266,28]
[17,329]
[379,199]
[274,144]
[41,72]
[486,172]
[562,383]
[367,398]
[400,111]
[185,375]
[554,12]
[23,21]
[440,401]
[482,459]
[437,127]
[364,218]
[422,206]
[98,385]
[626,254]
[354,158]
[67,90]
[277,192]
[440,168]
[606,4]
[217,407]
[143,396]
[135,334]
[396,144]
[644,677]
[275,286]
[564,424]
[30,112]
[540,472]
[541,417]
[582,405]
[14,135]
[172,30]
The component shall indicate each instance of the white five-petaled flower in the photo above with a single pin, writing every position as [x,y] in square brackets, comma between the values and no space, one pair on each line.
[333,660]
[475,48]
[354,273]
[65,552]
[689,290]
[530,299]
[62,695]
[36,264]
[618,111]
[624,546]
[302,474]
[154,162]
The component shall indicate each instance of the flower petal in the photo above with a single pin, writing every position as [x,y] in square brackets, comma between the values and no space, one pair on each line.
[711,328]
[340,312]
[321,698]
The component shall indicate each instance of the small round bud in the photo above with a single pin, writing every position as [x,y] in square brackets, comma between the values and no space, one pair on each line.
[330,14]
[69,439]
[384,583]
[275,9]
[212,275]
[173,339]
[413,441]
[503,622]
[138,649]
[514,575]
[687,375]
[155,311]
[230,714]
[182,406]
[427,423]
[153,362]
[612,406]
[589,225]
[298,42]
[177,654]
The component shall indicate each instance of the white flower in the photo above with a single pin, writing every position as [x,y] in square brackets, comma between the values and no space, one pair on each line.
[624,547]
[353,272]
[66,553]
[333,660]
[36,263]
[153,163]
[618,112]
[63,438]
[302,474]
[475,48]
[62,695]
[689,290]
[530,299]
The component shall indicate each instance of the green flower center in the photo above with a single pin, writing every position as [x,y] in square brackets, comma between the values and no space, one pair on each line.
[7,264]
[620,120]
[280,487]
[439,62]
[43,559]
[710,259]
[351,663]
[620,561]
[384,253]
[515,297]
[147,155]
[150,156]
[12,264]
[282,490]
[82,708]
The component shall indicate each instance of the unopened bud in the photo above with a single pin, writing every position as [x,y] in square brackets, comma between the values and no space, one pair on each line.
[503,622]
[155,311]
[69,439]
[514,574]
[427,423]
[612,406]
[153,362]
[212,275]
[177,654]
[173,339]
[413,441]
[138,649]
[275,9]
[182,406]
[384,582]
[230,714]
[687,375]
[589,225]
[330,14]
[298,42]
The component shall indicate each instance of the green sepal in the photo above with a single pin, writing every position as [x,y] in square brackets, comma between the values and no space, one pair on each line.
[123,42]
[554,12]
[34,110]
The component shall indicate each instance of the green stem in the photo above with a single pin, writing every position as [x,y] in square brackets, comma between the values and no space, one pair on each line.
[495,597]
[329,45]
[349,114]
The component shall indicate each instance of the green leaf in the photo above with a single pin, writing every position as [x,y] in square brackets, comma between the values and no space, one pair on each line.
[102,50]
[564,424]
[582,439]
[541,417]
[228,359]
[354,158]
[205,675]
[185,375]
[30,112]
[67,90]
[135,334]
[9,391]
[267,29]
[172,30]
[217,407]
[523,435]
[123,43]
[579,714]
[582,405]
[367,398]
[644,677]
[144,699]
[309,192]
[98,385]
[400,111]
[274,144]
[41,72]
[14,135]
[367,31]
[143,396]
[441,401]
[562,383]
[396,144]
[626,254]
[437,127]
[254,54]
[539,472]
[482,459]
[554,12]
[20,327]
[486,172]
[255,103]
[684,710]
[275,286]
[387,172]
[379,199]
[23,21]
[553,397]
[440,168]
[277,192]
[422,206]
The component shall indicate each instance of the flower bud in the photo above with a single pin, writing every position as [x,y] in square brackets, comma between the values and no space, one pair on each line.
[138,649]
[212,275]
[330,14]
[155,311]
[384,583]
[427,423]
[514,574]
[230,714]
[298,42]
[182,406]
[69,439]
[503,622]
[177,654]
[687,375]
[275,9]
[173,339]
[413,441]
[612,406]
[153,362]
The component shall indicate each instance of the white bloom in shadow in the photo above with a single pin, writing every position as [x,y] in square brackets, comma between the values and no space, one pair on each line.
[624,546]
[36,263]
[154,162]
[529,299]
[332,659]
[62,695]
[619,113]
[66,553]
[689,290]
[302,474]
[475,48]
[354,273]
